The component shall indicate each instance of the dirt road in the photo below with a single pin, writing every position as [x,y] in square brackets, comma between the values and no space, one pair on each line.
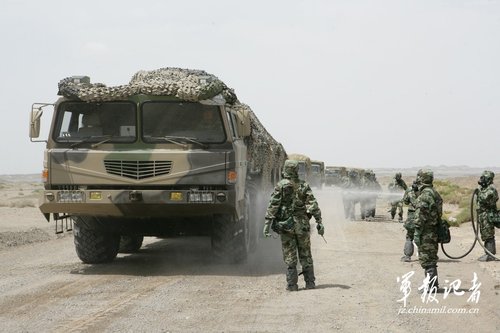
[173,285]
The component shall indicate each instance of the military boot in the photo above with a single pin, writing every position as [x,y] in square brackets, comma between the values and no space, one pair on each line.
[408,250]
[490,246]
[309,277]
[292,278]
[433,277]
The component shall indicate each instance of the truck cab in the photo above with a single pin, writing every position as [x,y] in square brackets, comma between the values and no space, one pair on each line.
[148,165]
[317,174]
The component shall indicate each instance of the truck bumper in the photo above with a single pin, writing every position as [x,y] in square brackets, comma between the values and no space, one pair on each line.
[138,203]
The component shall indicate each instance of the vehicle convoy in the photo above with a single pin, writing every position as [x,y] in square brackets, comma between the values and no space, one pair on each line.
[171,153]
[334,175]
[317,174]
[304,166]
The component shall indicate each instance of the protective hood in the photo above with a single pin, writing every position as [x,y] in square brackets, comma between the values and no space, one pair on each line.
[291,169]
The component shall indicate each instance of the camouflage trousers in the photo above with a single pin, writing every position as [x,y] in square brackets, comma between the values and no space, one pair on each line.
[396,206]
[409,225]
[293,244]
[486,226]
[428,249]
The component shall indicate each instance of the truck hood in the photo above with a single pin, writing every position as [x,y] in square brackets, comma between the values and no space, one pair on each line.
[136,167]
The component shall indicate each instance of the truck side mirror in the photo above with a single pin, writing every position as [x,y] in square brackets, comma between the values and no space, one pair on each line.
[244,127]
[35,115]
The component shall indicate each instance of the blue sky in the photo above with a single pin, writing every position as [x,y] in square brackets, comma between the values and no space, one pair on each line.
[357,83]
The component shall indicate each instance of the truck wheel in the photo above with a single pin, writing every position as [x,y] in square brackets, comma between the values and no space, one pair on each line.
[251,211]
[92,245]
[130,244]
[230,238]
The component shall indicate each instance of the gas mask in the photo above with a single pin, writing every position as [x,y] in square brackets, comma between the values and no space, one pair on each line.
[414,186]
[486,178]
[483,181]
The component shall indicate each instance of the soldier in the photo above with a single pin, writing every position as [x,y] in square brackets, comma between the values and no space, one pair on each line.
[370,187]
[91,125]
[410,199]
[429,208]
[398,185]
[209,121]
[487,198]
[291,207]
[351,193]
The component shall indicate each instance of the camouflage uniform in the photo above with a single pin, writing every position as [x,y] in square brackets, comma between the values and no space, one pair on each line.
[396,186]
[410,199]
[429,208]
[370,188]
[350,194]
[487,198]
[294,197]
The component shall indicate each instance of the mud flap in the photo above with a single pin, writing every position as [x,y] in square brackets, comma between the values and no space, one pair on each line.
[63,223]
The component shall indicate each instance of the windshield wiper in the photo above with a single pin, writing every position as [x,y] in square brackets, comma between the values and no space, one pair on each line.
[192,140]
[177,140]
[95,145]
[168,139]
[73,145]
[86,139]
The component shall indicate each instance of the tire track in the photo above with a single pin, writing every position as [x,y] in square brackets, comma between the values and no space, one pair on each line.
[100,316]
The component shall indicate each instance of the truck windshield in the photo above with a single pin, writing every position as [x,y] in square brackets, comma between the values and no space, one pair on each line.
[91,122]
[183,122]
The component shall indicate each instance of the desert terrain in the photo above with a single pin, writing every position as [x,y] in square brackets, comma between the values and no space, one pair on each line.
[174,285]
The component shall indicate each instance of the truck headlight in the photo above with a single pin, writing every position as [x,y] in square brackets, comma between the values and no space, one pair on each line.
[70,196]
[201,197]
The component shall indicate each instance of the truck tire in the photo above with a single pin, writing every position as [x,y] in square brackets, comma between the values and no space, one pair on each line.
[230,238]
[130,244]
[251,212]
[92,245]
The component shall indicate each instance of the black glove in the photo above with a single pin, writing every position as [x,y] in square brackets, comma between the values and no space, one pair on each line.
[321,228]
[266,232]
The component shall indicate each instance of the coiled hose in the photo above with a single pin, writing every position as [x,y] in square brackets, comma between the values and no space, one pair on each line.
[475,229]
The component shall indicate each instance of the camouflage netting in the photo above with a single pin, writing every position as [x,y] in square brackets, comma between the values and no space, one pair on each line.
[300,157]
[189,85]
[264,150]
[185,84]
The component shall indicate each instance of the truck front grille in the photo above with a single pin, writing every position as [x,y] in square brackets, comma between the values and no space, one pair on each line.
[137,169]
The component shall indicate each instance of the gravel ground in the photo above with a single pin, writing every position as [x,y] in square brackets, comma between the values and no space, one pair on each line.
[173,285]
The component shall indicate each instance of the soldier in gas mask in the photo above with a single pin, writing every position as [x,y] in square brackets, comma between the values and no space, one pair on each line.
[410,199]
[398,185]
[487,198]
[351,194]
[291,207]
[429,209]
[371,188]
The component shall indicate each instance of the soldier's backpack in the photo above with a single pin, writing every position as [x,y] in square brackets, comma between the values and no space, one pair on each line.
[285,222]
[443,232]
[494,217]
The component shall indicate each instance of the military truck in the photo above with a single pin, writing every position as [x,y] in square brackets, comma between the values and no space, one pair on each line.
[317,174]
[171,153]
[336,175]
[304,165]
